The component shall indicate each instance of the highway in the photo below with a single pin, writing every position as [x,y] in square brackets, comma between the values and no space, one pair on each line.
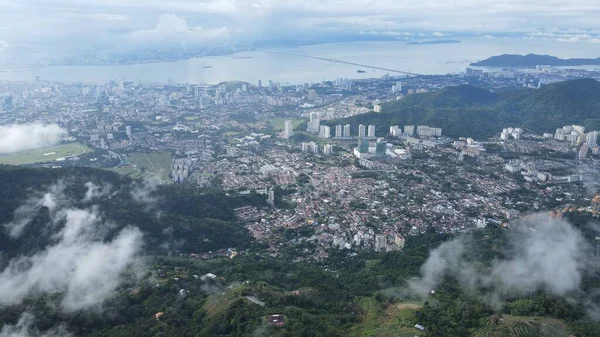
[344,62]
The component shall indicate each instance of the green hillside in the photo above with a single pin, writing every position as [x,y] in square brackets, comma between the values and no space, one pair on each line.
[471,111]
[205,219]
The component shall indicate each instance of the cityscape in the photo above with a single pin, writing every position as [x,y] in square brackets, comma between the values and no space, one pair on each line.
[352,186]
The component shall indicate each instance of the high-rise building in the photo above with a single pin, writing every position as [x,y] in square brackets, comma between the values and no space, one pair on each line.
[128,131]
[338,131]
[409,130]
[328,149]
[377,108]
[325,131]
[395,131]
[271,197]
[371,131]
[259,84]
[591,139]
[346,131]
[244,87]
[271,85]
[314,123]
[380,148]
[398,86]
[583,151]
[363,145]
[288,129]
[361,131]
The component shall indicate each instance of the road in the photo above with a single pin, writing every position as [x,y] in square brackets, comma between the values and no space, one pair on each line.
[344,62]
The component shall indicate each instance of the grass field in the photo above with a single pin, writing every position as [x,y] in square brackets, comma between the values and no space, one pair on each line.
[279,123]
[154,166]
[379,320]
[515,326]
[47,154]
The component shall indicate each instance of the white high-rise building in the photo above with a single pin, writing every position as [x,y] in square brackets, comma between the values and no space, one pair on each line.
[371,131]
[377,108]
[338,131]
[361,131]
[398,86]
[395,131]
[271,197]
[591,139]
[288,129]
[128,131]
[325,131]
[328,149]
[409,130]
[347,131]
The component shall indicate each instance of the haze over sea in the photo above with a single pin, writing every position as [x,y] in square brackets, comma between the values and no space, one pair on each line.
[292,69]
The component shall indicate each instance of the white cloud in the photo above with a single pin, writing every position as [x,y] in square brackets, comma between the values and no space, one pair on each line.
[25,327]
[109,22]
[537,247]
[80,264]
[438,34]
[21,137]
[174,30]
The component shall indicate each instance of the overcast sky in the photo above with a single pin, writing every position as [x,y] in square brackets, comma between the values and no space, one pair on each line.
[153,22]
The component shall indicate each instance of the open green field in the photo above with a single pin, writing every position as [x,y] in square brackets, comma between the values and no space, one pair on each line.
[378,320]
[279,123]
[46,154]
[515,326]
[154,166]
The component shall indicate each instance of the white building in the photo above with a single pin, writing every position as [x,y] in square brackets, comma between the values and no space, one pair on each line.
[328,149]
[395,131]
[128,131]
[409,130]
[347,131]
[325,131]
[338,131]
[377,108]
[591,139]
[371,131]
[288,129]
[426,131]
[361,131]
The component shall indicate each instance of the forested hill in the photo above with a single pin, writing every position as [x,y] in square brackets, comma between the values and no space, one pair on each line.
[475,112]
[173,219]
[532,60]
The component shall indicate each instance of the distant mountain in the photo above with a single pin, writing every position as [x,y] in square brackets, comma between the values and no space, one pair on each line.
[531,60]
[472,111]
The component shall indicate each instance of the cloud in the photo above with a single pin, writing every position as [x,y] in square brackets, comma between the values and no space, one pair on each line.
[438,34]
[174,30]
[94,191]
[544,253]
[80,264]
[21,137]
[25,328]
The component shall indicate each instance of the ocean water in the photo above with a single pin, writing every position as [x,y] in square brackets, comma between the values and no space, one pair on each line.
[279,65]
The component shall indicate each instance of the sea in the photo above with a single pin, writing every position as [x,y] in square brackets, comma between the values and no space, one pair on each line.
[298,65]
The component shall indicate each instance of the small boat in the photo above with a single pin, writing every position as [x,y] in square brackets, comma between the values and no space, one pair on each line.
[360,71]
[206,67]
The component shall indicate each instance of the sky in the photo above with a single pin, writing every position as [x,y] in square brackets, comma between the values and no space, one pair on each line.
[135,23]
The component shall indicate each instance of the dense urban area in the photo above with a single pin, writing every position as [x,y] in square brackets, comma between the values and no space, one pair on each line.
[317,179]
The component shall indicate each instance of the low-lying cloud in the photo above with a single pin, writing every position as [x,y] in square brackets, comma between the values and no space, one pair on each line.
[79,263]
[22,137]
[544,253]
[25,328]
